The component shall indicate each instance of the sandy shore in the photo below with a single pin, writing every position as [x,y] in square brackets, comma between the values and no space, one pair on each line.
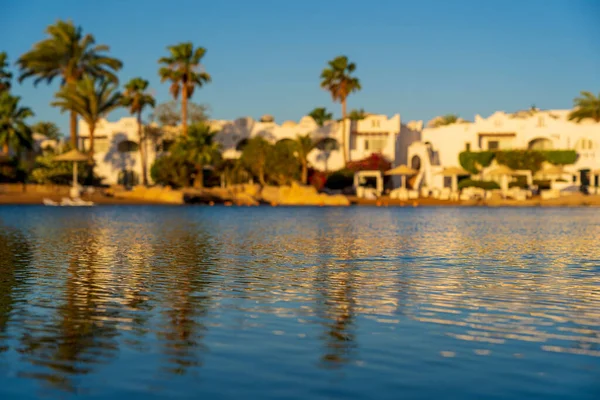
[574,200]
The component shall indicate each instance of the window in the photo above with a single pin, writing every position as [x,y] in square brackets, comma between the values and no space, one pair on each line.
[375,123]
[468,146]
[493,145]
[375,145]
[541,122]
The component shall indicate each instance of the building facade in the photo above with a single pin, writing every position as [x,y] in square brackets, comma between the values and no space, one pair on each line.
[535,130]
[118,158]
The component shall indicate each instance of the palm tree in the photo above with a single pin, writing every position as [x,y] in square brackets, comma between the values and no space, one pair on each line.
[48,129]
[586,107]
[357,115]
[444,120]
[90,99]
[183,68]
[14,131]
[336,79]
[304,145]
[320,115]
[136,98]
[5,75]
[70,55]
[198,148]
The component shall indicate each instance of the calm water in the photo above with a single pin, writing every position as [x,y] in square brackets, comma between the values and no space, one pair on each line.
[299,303]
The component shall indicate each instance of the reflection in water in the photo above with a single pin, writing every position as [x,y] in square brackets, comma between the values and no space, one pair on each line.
[15,257]
[133,300]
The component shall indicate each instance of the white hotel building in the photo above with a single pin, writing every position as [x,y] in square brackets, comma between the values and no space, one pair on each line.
[427,150]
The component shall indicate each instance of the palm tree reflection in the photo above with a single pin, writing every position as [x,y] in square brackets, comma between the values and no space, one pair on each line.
[15,258]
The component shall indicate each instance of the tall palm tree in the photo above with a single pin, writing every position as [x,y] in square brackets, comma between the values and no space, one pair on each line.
[69,54]
[320,115]
[184,69]
[198,148]
[337,80]
[5,75]
[48,129]
[90,99]
[136,98]
[587,106]
[303,146]
[14,131]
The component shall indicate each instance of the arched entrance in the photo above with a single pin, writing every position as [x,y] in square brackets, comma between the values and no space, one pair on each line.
[415,163]
[540,144]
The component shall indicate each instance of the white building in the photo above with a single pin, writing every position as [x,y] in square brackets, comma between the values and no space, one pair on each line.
[537,130]
[117,153]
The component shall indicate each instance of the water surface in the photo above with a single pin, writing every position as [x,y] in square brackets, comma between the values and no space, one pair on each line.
[122,302]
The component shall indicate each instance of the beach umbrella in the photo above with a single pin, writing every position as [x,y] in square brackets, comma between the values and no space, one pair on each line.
[75,156]
[503,172]
[403,171]
[454,173]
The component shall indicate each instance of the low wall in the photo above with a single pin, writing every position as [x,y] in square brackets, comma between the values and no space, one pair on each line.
[34,188]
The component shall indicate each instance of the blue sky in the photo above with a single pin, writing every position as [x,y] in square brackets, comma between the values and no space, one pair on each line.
[417,58]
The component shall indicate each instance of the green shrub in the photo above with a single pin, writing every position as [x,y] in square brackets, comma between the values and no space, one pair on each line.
[521,159]
[487,185]
[339,180]
[560,157]
[516,159]
[172,171]
[468,159]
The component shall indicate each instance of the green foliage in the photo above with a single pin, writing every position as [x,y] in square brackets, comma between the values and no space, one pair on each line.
[183,68]
[587,106]
[521,159]
[5,74]
[320,115]
[136,97]
[254,157]
[520,182]
[444,120]
[67,54]
[172,171]
[516,159]
[283,165]
[341,179]
[304,145]
[169,113]
[486,185]
[91,99]
[473,161]
[46,170]
[560,157]
[543,184]
[337,79]
[357,115]
[14,130]
[48,129]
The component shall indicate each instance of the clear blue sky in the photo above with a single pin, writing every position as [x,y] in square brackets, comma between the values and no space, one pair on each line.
[417,58]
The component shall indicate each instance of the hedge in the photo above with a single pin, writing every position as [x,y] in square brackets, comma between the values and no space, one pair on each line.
[487,185]
[516,159]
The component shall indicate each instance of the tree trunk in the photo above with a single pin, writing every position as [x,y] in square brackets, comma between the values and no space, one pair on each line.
[261,176]
[142,146]
[345,152]
[304,172]
[199,179]
[184,102]
[73,129]
[92,128]
[5,148]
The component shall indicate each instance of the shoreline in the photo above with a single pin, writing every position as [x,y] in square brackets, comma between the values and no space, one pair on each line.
[569,201]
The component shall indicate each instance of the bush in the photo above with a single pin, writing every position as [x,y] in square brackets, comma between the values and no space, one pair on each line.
[172,171]
[516,159]
[375,162]
[521,159]
[339,180]
[560,157]
[468,159]
[486,185]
